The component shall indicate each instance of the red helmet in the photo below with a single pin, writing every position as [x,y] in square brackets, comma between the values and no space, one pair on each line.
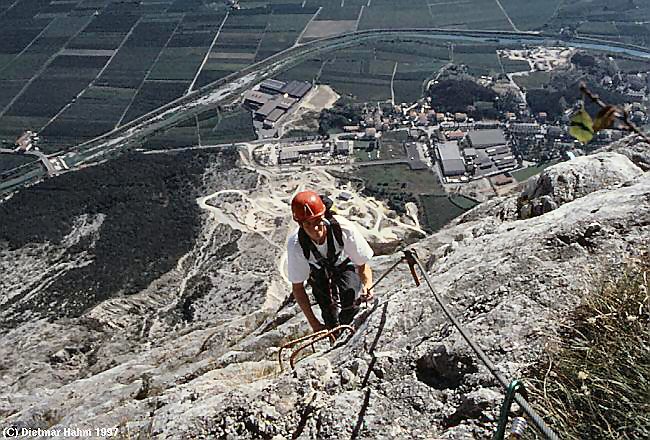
[307,205]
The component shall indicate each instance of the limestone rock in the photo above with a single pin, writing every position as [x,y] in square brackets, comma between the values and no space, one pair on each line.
[136,364]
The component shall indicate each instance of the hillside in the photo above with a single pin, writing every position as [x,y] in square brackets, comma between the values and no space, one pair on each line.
[193,352]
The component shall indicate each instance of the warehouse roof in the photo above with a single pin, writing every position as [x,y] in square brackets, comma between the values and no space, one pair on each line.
[452,162]
[275,115]
[486,138]
[297,89]
[266,109]
[257,97]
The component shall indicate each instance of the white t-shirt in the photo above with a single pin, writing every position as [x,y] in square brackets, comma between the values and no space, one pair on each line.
[355,247]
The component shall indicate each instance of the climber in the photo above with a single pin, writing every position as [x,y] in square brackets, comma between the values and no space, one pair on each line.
[330,254]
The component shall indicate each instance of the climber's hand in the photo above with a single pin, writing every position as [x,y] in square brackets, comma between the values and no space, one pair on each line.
[366,295]
[317,326]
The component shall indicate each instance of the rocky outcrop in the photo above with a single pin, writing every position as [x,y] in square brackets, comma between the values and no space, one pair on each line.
[568,181]
[405,373]
[634,148]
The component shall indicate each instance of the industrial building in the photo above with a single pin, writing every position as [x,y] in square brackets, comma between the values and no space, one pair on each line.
[272,86]
[272,118]
[525,128]
[344,147]
[296,89]
[273,99]
[292,153]
[450,159]
[456,135]
[480,139]
[254,99]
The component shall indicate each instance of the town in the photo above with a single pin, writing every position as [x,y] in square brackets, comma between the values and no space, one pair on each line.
[459,148]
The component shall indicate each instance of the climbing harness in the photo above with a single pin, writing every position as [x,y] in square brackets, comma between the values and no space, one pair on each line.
[311,339]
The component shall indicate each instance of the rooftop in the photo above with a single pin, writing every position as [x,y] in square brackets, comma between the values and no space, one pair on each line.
[486,138]
[297,89]
[452,162]
[449,151]
[273,84]
[275,115]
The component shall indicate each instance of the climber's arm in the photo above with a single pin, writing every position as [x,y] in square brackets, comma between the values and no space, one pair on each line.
[298,290]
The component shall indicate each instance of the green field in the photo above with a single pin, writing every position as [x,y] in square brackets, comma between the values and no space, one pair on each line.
[472,14]
[178,63]
[398,184]
[391,145]
[530,14]
[167,42]
[409,14]
[10,161]
[400,179]
[533,80]
[486,63]
[236,126]
[440,209]
[632,65]
[511,66]
[528,172]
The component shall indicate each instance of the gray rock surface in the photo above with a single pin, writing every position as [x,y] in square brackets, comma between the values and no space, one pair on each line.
[405,373]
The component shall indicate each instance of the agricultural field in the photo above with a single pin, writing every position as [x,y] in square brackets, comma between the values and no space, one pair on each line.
[530,15]
[154,94]
[364,73]
[439,209]
[399,179]
[328,28]
[632,65]
[533,80]
[364,151]
[479,59]
[624,21]
[11,161]
[209,128]
[399,184]
[468,14]
[511,66]
[73,70]
[383,14]
[391,145]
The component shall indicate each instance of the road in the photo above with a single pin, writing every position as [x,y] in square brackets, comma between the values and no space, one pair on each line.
[42,157]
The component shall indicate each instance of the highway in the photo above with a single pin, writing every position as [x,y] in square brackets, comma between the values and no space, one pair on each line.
[228,89]
[39,155]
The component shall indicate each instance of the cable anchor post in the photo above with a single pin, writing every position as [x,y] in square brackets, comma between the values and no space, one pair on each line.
[515,387]
[410,257]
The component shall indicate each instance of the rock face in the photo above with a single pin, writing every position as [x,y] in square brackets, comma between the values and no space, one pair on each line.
[405,373]
[568,181]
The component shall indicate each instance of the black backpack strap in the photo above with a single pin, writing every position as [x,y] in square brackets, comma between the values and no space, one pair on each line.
[336,230]
[305,243]
[308,246]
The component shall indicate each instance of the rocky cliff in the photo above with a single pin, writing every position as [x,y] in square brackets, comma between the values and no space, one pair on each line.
[194,353]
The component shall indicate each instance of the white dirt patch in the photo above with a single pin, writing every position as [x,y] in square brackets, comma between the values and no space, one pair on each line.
[305,117]
[540,58]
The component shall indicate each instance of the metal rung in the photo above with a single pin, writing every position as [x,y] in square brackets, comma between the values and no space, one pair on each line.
[310,339]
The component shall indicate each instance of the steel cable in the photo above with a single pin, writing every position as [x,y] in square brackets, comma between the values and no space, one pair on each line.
[525,406]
